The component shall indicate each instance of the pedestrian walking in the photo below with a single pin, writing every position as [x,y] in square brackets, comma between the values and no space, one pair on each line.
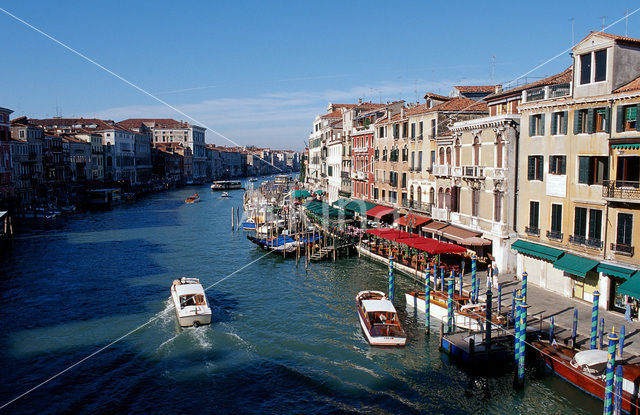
[494,275]
[627,313]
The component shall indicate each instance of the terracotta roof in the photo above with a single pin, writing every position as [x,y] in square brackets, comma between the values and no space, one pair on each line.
[631,86]
[334,114]
[153,123]
[559,78]
[622,39]
[480,88]
[458,104]
[436,96]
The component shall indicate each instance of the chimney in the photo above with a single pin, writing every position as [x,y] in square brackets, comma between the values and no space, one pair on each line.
[359,101]
[498,89]
[402,112]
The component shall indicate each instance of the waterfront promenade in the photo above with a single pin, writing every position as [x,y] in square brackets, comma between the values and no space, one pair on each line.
[561,308]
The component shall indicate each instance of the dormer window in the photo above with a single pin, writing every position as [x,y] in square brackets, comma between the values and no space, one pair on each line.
[599,73]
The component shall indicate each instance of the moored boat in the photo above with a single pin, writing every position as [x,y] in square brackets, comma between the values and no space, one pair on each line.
[466,315]
[192,199]
[586,370]
[190,302]
[379,319]
[226,185]
[253,179]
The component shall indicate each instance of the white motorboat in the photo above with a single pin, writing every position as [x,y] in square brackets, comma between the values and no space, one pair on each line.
[190,302]
[466,315]
[225,195]
[379,319]
[226,185]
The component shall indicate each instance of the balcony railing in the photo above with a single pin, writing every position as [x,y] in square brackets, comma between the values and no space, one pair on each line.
[535,94]
[456,171]
[621,189]
[555,235]
[560,90]
[417,206]
[440,214]
[530,230]
[581,240]
[441,170]
[473,172]
[622,249]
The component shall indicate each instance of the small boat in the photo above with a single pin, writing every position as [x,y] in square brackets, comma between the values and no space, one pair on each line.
[253,179]
[379,319]
[192,199]
[225,195]
[226,185]
[190,302]
[586,370]
[68,209]
[466,315]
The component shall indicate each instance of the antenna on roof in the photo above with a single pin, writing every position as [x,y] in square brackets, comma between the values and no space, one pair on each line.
[626,22]
[573,41]
[493,67]
[603,18]
[415,89]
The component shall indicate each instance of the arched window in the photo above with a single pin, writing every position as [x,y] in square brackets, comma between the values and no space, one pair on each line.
[441,198]
[499,149]
[476,151]
[432,196]
[419,195]
[411,193]
[447,199]
[448,156]
[441,154]
[457,154]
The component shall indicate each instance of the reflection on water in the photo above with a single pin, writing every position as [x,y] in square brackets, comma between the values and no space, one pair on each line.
[281,340]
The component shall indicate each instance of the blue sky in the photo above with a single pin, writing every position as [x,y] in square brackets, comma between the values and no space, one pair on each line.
[259,72]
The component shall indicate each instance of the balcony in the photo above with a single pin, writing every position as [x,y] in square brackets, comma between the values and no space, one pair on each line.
[344,174]
[581,240]
[456,171]
[358,175]
[530,230]
[622,249]
[626,190]
[555,235]
[473,172]
[441,170]
[440,214]
[495,173]
[417,206]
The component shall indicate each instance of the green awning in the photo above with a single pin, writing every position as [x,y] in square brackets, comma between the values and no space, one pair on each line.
[615,270]
[341,203]
[631,287]
[319,192]
[359,206]
[576,265]
[536,250]
[301,193]
[630,146]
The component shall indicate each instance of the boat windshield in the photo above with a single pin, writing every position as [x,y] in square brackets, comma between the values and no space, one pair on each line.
[382,317]
[192,299]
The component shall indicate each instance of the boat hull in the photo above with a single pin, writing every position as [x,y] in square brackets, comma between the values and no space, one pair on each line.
[441,313]
[191,315]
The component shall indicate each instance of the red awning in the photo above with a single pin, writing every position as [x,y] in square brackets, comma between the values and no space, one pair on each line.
[391,234]
[414,219]
[424,244]
[447,248]
[380,211]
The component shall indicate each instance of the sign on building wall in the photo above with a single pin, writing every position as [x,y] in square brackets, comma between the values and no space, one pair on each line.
[556,185]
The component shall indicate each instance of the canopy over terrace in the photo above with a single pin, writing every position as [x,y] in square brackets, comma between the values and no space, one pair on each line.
[360,207]
[428,245]
[323,209]
[300,193]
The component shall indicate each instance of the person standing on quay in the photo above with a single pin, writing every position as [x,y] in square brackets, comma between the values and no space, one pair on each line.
[494,275]
[627,313]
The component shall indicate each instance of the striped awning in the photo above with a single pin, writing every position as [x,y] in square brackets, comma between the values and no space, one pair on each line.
[628,146]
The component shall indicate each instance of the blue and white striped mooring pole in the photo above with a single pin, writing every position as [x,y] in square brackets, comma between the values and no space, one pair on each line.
[513,307]
[524,285]
[611,361]
[450,304]
[617,398]
[442,287]
[427,300]
[517,329]
[601,333]
[623,333]
[461,280]
[499,299]
[523,337]
[594,319]
[551,330]
[474,280]
[574,331]
[391,282]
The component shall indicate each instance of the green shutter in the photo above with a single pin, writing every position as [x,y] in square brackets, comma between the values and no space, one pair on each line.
[607,119]
[583,170]
[540,161]
[637,120]
[563,164]
[531,126]
[541,124]
[591,121]
[620,119]
[531,171]
[577,115]
[595,223]
[554,123]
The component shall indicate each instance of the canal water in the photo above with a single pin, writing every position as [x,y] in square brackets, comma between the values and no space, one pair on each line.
[282,340]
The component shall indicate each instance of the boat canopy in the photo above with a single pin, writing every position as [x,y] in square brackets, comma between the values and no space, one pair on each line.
[591,357]
[378,305]
[189,289]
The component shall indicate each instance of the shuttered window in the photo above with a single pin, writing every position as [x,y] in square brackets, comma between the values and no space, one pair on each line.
[580,222]
[595,224]
[556,218]
[558,164]
[601,65]
[535,165]
[534,214]
[593,169]
[585,68]
[475,202]
[559,123]
[625,223]
[497,206]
